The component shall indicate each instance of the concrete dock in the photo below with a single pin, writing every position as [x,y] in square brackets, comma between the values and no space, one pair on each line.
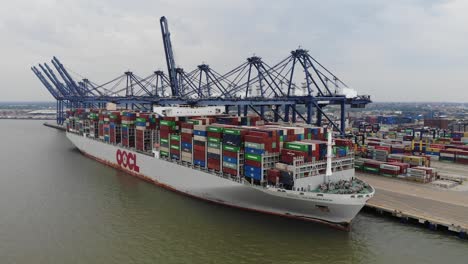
[425,204]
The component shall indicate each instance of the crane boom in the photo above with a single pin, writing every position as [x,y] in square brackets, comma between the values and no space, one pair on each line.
[171,67]
[66,76]
[49,87]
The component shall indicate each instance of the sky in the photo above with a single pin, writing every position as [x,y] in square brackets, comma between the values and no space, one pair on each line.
[400,50]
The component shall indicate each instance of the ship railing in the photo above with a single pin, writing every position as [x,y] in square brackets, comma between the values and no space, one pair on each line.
[300,168]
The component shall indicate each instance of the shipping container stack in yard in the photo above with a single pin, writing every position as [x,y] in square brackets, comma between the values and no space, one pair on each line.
[242,147]
[447,147]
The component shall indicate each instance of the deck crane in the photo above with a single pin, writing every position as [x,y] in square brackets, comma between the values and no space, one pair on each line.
[171,67]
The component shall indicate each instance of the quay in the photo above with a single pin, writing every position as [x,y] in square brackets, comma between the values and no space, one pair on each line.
[437,209]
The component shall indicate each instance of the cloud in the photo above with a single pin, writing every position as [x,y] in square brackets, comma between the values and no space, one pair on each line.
[408,50]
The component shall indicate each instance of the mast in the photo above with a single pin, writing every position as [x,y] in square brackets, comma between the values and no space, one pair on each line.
[329,158]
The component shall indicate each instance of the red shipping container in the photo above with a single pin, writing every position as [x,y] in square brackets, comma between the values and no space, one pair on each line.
[187,125]
[185,137]
[387,171]
[273,175]
[230,171]
[174,151]
[199,155]
[164,134]
[258,133]
[199,148]
[213,134]
[257,164]
[383,148]
[214,164]
[229,154]
[254,139]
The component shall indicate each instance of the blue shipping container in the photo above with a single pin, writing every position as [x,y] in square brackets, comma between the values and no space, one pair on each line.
[187,145]
[253,175]
[230,160]
[199,133]
[248,168]
[254,151]
[199,162]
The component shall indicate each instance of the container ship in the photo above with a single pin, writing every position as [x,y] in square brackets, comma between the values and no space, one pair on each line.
[291,170]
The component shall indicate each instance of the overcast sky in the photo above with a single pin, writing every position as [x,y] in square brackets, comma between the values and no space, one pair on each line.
[399,50]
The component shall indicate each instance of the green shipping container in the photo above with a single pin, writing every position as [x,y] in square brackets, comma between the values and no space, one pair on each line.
[164,153]
[215,140]
[175,147]
[296,146]
[231,131]
[140,119]
[253,157]
[231,148]
[175,137]
[371,169]
[214,145]
[164,140]
[167,123]
[195,122]
[215,129]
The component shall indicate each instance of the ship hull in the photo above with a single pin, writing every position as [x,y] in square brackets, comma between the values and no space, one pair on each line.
[334,210]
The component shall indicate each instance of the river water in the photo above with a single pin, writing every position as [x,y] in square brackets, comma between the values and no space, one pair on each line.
[57,206]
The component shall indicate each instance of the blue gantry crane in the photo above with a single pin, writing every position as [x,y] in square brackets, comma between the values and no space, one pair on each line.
[298,88]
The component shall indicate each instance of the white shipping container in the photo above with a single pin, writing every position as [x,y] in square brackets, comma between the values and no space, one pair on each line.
[187,159]
[389,167]
[199,127]
[281,166]
[164,149]
[199,138]
[447,155]
[214,150]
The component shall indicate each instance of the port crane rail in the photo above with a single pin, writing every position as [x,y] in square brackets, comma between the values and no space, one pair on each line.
[252,86]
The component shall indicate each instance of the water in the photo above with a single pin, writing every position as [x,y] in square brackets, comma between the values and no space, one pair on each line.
[57,206]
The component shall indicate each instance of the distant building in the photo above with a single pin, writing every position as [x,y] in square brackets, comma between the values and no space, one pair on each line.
[441,123]
[42,112]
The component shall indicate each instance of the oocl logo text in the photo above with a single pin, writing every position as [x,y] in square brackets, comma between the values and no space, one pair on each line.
[127,160]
